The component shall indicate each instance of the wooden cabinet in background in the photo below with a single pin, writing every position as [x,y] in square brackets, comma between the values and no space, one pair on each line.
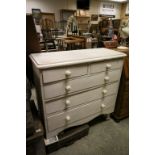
[122,103]
[83,23]
[32,44]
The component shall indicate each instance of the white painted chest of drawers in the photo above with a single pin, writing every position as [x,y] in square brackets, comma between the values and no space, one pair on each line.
[73,87]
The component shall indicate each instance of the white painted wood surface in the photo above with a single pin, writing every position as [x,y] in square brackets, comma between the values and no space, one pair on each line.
[107,65]
[56,59]
[79,122]
[81,98]
[62,73]
[57,89]
[67,117]
[76,86]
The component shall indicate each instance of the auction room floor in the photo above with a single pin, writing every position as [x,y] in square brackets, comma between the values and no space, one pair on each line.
[104,138]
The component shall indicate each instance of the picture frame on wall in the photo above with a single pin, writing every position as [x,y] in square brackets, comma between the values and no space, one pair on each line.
[36,13]
[94,17]
[116,23]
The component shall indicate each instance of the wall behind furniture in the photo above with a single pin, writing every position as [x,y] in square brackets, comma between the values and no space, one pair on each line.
[123,12]
[51,6]
[54,6]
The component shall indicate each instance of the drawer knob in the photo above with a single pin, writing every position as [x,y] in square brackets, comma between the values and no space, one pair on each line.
[108,66]
[106,78]
[104,91]
[102,106]
[68,102]
[68,118]
[68,73]
[68,88]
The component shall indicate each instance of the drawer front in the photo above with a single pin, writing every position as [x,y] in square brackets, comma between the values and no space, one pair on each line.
[85,97]
[107,65]
[65,118]
[63,73]
[58,89]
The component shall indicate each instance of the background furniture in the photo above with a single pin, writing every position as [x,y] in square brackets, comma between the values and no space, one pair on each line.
[34,130]
[32,44]
[35,143]
[83,23]
[71,42]
[64,15]
[83,20]
[122,103]
[73,87]
[110,44]
[107,28]
[49,31]
[105,23]
[47,20]
[116,23]
[29,118]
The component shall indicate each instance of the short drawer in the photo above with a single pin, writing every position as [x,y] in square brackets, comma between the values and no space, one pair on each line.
[81,98]
[107,65]
[63,73]
[73,115]
[82,83]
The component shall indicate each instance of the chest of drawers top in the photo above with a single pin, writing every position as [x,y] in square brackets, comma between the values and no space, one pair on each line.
[57,59]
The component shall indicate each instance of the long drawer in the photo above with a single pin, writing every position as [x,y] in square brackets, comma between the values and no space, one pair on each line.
[81,112]
[78,84]
[107,65]
[63,73]
[85,97]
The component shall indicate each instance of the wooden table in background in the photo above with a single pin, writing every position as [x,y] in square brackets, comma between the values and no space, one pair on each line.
[70,42]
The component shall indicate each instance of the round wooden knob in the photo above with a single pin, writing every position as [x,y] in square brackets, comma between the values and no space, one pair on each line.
[68,88]
[102,106]
[108,66]
[68,102]
[104,91]
[106,78]
[68,73]
[68,118]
